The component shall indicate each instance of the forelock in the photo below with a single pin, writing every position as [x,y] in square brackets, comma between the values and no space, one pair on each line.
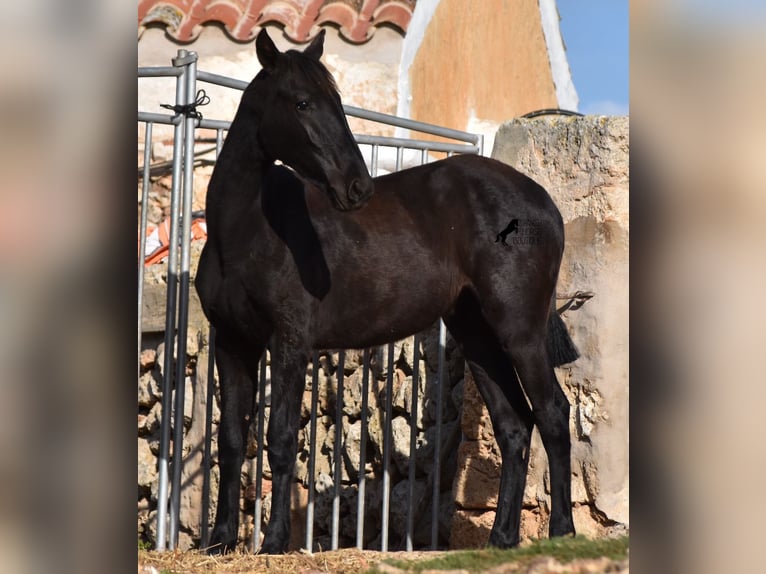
[315,71]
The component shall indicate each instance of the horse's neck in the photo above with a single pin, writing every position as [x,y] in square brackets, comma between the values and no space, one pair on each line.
[234,192]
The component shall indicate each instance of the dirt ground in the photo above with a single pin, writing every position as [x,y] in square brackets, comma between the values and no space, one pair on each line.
[349,561]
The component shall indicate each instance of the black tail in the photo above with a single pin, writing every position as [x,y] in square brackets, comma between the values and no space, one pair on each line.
[561,348]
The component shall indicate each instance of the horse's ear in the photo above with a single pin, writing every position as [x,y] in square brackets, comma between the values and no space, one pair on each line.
[316,47]
[266,50]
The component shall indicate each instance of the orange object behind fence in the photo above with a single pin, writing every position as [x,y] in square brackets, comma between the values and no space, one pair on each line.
[158,239]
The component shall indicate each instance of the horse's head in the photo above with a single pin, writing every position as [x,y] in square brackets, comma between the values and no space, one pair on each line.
[302,123]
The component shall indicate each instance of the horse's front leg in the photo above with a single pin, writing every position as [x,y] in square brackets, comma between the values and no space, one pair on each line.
[237,369]
[288,376]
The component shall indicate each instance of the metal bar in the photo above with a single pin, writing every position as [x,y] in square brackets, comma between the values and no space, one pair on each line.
[175,119]
[204,527]
[159,71]
[423,156]
[206,453]
[312,452]
[224,81]
[413,441]
[374,161]
[214,124]
[362,451]
[257,510]
[190,59]
[160,118]
[337,455]
[142,230]
[387,451]
[171,120]
[170,325]
[410,124]
[218,142]
[415,144]
[440,381]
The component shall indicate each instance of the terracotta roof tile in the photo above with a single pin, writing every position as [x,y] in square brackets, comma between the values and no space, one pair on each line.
[183,19]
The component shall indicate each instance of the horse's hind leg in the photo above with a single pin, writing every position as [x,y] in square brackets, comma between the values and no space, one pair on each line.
[524,336]
[551,409]
[512,419]
[237,371]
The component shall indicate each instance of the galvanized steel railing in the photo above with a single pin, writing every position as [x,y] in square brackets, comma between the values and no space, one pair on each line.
[184,69]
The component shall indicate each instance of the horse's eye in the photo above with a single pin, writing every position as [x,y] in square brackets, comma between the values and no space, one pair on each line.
[302,105]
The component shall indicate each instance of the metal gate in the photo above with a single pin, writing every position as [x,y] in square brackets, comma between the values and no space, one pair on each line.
[403,152]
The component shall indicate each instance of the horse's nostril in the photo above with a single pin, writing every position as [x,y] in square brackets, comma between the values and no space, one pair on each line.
[355,191]
[359,189]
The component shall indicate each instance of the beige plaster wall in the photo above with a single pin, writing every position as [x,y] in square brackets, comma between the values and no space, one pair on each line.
[487,60]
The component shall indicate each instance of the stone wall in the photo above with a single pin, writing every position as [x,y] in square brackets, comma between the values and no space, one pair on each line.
[583,163]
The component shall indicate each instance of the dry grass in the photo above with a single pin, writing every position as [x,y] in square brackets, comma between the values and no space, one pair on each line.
[576,555]
[346,561]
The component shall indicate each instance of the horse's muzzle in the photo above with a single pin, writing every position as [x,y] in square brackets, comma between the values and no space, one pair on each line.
[359,191]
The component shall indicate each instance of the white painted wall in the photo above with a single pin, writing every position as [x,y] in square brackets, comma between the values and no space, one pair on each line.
[421,17]
[562,76]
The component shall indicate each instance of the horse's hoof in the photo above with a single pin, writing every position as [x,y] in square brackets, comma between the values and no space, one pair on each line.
[272,548]
[562,532]
[218,548]
[497,540]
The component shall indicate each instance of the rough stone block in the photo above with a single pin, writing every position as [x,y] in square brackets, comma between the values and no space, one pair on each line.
[478,478]
[471,528]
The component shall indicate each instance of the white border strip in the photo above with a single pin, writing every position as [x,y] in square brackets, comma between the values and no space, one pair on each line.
[566,94]
[421,18]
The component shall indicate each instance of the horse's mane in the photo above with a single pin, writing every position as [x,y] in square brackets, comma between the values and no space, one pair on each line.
[314,70]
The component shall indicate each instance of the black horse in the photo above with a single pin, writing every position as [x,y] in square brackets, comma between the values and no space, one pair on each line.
[298,258]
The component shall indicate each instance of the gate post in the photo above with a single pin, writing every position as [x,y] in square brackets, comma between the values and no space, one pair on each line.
[189,60]
[177,300]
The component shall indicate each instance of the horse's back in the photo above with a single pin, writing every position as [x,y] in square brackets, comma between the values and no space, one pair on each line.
[468,200]
[471,181]
[426,234]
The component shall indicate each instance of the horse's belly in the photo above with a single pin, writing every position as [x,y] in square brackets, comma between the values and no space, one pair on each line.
[361,334]
[364,319]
